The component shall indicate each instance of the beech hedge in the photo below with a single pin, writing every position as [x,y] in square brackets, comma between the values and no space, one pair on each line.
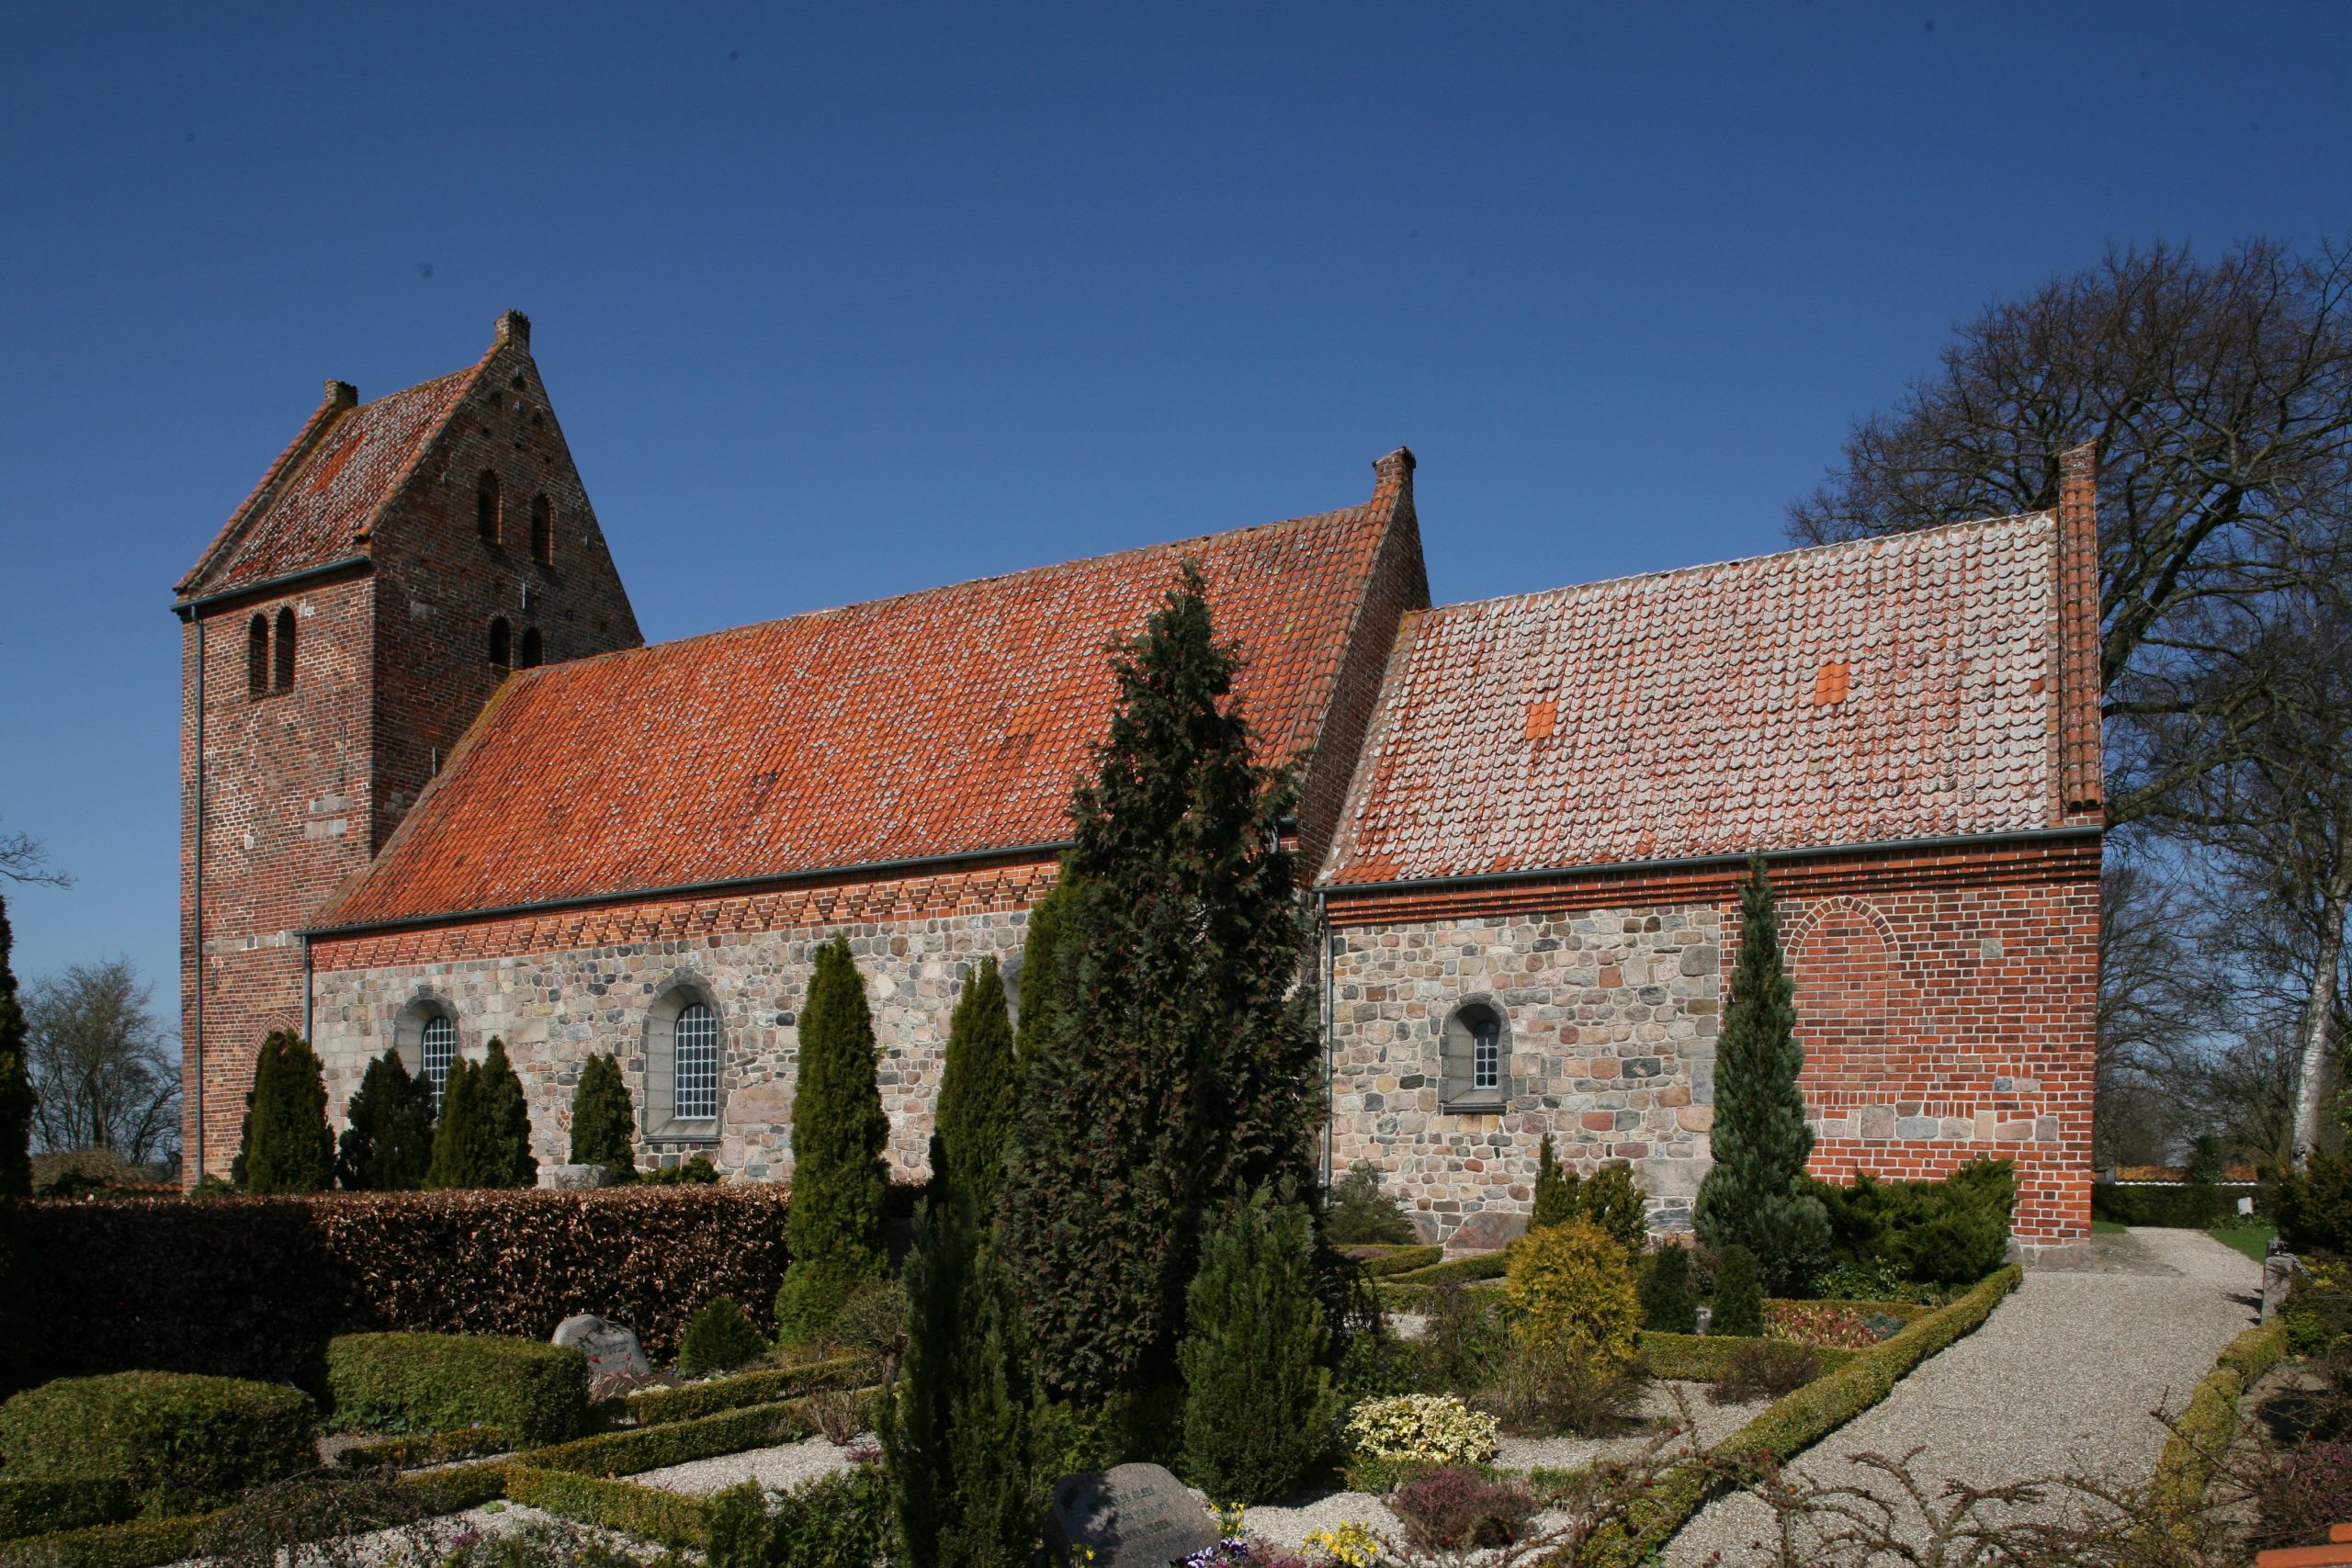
[255,1287]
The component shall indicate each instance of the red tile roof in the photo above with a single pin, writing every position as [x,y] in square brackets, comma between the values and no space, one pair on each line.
[1889,689]
[952,721]
[316,504]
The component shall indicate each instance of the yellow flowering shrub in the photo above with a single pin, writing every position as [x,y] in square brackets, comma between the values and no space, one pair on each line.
[1352,1545]
[1437,1429]
[1571,1287]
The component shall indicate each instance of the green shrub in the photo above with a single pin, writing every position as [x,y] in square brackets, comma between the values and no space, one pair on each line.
[1459,1271]
[695,1172]
[840,1520]
[1555,1190]
[2211,1420]
[1953,1232]
[1572,1287]
[1357,1211]
[1616,1205]
[718,1338]
[632,1450]
[1702,1358]
[1464,1342]
[978,1090]
[1548,1388]
[180,1443]
[603,1119]
[414,1449]
[2315,1205]
[17,1098]
[1667,1306]
[434,1382]
[658,1406]
[285,1146]
[1765,1369]
[36,1507]
[1740,1296]
[1404,1260]
[835,1227]
[609,1504]
[389,1142]
[1258,1404]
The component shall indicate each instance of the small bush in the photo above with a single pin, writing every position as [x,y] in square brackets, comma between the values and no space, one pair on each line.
[1739,1294]
[2307,1489]
[1549,1388]
[603,1118]
[1404,1260]
[437,1382]
[658,1406]
[313,1519]
[1455,1508]
[1953,1232]
[1259,1403]
[389,1141]
[1667,1306]
[2315,1205]
[873,1323]
[695,1172]
[840,1521]
[1616,1206]
[1822,1326]
[1462,1341]
[1765,1369]
[1358,1212]
[718,1338]
[1571,1286]
[1375,1366]
[183,1444]
[1428,1429]
[1555,1190]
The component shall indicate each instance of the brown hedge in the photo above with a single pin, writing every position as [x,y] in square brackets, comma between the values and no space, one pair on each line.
[254,1287]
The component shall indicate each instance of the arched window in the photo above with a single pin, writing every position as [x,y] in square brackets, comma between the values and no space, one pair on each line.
[425,1034]
[282,666]
[542,529]
[501,642]
[486,506]
[684,1061]
[1477,1050]
[532,650]
[257,656]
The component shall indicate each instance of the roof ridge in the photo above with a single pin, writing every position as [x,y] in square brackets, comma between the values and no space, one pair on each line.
[365,528]
[749,627]
[1903,537]
[332,410]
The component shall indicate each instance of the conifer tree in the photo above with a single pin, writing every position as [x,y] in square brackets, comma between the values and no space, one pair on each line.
[834,1229]
[977,1094]
[603,1118]
[1176,1070]
[1555,1191]
[1258,1403]
[507,1160]
[459,1160]
[964,1483]
[389,1142]
[1041,962]
[1666,1307]
[1739,1294]
[1754,1197]
[16,1080]
[287,1146]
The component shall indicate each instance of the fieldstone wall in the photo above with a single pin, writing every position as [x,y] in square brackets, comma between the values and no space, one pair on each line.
[555,1009]
[1612,1017]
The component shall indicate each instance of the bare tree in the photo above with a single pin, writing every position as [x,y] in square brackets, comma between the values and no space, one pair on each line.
[2163,996]
[100,1063]
[2220,399]
[24,858]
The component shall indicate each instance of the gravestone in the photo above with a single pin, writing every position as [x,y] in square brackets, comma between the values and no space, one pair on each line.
[1134,1516]
[611,1348]
[574,1178]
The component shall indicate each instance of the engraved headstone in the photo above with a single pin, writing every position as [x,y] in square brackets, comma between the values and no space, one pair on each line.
[611,1347]
[1134,1516]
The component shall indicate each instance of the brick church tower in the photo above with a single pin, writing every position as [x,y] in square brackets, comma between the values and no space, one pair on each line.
[337,639]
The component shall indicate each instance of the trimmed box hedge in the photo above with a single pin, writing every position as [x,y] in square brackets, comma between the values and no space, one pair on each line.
[41,1507]
[1459,1271]
[419,1449]
[681,1442]
[2210,1421]
[1792,1424]
[180,1443]
[658,1406]
[438,1383]
[254,1287]
[670,1517]
[1702,1358]
[1403,1261]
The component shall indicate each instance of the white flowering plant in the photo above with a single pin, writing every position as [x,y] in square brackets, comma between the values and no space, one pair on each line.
[1433,1428]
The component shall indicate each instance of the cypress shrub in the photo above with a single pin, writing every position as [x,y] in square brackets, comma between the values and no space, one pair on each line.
[835,1228]
[389,1144]
[533,1392]
[458,1137]
[1555,1191]
[484,1137]
[718,1338]
[1739,1293]
[1755,1196]
[1175,1072]
[1041,962]
[603,1119]
[16,1080]
[1357,1211]
[1666,1307]
[977,1094]
[1259,1403]
[182,1444]
[966,1487]
[1614,1201]
[508,1115]
[286,1145]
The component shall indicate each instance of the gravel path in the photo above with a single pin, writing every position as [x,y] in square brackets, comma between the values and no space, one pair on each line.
[779,1469]
[2061,1377]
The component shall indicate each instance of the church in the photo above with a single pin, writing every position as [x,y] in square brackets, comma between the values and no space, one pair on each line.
[436,788]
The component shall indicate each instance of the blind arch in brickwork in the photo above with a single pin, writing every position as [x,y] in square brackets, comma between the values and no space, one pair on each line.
[1842,955]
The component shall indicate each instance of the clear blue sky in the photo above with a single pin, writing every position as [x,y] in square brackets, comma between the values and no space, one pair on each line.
[842,301]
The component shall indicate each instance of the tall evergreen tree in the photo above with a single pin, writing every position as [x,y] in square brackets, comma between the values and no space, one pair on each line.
[507,1159]
[1754,1197]
[287,1144]
[834,1229]
[603,1118]
[1176,1071]
[16,1080]
[389,1144]
[1042,955]
[459,1140]
[977,1094]
[965,1484]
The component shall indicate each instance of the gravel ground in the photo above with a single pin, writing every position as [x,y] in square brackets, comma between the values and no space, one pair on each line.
[434,1537]
[779,1469]
[2061,1377]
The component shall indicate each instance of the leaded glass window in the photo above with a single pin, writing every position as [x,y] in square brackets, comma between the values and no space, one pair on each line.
[695,1065]
[439,1043]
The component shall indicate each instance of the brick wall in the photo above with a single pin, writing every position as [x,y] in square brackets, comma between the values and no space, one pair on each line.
[1947,999]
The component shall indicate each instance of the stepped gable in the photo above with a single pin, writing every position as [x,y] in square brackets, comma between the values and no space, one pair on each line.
[316,504]
[1853,693]
[948,722]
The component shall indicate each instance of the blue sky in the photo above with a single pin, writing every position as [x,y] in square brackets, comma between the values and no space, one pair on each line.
[838,301]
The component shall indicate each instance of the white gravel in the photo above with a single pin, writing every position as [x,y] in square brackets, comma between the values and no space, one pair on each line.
[2060,1379]
[778,1469]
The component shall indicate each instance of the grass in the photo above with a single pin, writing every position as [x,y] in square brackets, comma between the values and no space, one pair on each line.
[2109,1227]
[2254,1240]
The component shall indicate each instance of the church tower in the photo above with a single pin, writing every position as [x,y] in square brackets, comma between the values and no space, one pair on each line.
[337,639]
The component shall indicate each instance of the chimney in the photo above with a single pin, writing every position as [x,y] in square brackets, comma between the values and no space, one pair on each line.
[342,395]
[2082,759]
[515,328]
[1394,486]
